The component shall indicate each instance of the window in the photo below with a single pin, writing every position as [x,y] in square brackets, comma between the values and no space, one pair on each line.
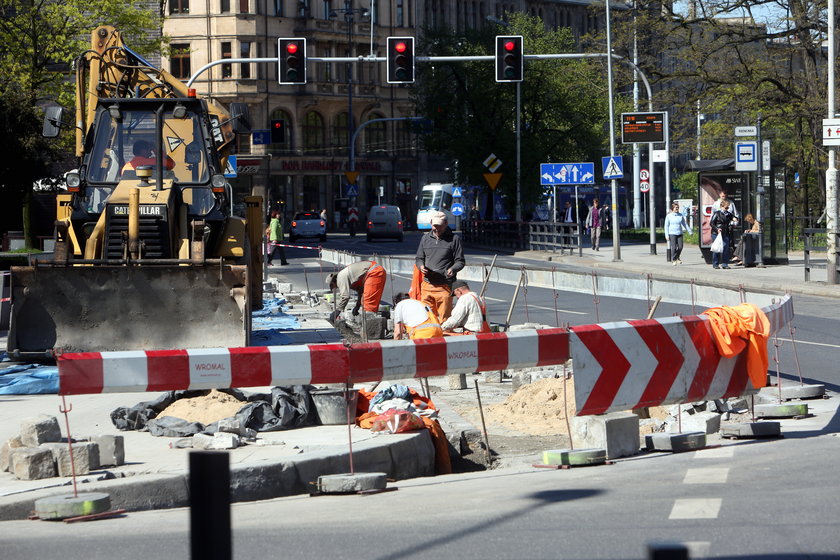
[313,132]
[375,135]
[243,7]
[227,71]
[327,8]
[279,10]
[179,61]
[325,73]
[224,6]
[245,52]
[400,14]
[179,6]
[403,131]
[339,132]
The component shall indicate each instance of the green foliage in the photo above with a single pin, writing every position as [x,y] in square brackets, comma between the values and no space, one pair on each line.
[564,105]
[686,185]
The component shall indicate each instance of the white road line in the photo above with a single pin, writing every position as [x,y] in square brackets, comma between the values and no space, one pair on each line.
[696,508]
[811,343]
[723,452]
[488,298]
[559,310]
[706,475]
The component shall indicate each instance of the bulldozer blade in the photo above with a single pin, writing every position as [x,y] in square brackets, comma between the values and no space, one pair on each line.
[139,307]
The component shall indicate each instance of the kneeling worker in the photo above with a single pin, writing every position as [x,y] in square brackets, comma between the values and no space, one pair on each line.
[414,317]
[366,278]
[469,313]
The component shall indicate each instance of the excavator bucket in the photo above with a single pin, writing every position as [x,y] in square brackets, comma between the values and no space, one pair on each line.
[108,307]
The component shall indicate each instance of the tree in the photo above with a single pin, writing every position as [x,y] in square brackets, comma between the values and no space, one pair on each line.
[39,39]
[740,70]
[564,105]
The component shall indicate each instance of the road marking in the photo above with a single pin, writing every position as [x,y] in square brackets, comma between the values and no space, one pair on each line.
[559,310]
[706,475]
[723,452]
[811,343]
[696,508]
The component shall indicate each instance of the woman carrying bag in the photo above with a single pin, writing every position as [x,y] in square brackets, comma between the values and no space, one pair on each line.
[721,224]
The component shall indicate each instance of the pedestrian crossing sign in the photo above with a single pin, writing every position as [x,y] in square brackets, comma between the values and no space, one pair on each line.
[612,166]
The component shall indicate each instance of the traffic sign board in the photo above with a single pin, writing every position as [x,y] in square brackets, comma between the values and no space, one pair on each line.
[612,167]
[260,137]
[230,168]
[567,173]
[746,131]
[746,158]
[642,127]
[457,209]
[456,192]
[352,190]
[831,132]
[644,174]
[644,186]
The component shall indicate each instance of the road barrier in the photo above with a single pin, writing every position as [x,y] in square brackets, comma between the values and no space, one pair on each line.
[618,366]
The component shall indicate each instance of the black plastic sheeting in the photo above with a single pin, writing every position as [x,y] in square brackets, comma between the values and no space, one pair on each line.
[284,408]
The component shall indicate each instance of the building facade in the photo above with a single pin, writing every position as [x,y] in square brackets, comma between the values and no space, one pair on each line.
[306,168]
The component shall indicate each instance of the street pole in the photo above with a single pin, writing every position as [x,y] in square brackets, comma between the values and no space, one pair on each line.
[652,200]
[831,172]
[518,152]
[616,218]
[637,151]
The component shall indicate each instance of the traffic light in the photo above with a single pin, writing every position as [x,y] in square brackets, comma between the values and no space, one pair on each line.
[400,60]
[278,132]
[509,58]
[291,54]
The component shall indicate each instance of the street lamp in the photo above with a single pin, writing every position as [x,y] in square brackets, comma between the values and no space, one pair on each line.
[350,19]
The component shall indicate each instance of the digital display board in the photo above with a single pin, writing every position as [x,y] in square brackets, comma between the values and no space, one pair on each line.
[642,127]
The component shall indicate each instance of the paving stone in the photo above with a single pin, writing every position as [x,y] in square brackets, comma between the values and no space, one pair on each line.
[32,463]
[39,429]
[574,457]
[751,430]
[351,482]
[706,422]
[225,440]
[493,376]
[675,442]
[85,457]
[457,381]
[111,449]
[6,451]
[785,410]
[70,505]
[617,432]
[232,426]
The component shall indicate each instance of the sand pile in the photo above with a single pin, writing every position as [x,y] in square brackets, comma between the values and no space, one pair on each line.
[537,409]
[205,409]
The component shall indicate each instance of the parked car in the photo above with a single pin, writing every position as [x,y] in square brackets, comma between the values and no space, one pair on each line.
[307,224]
[384,221]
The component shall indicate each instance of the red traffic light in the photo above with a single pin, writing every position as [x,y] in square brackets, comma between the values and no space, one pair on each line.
[399,47]
[510,45]
[291,48]
[278,125]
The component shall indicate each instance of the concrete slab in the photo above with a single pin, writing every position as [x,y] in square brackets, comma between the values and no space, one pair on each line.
[351,483]
[69,505]
[675,442]
[575,457]
[785,410]
[617,432]
[747,430]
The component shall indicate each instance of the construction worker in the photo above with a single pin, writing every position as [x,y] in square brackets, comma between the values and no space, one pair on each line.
[143,155]
[415,318]
[439,258]
[366,278]
[470,313]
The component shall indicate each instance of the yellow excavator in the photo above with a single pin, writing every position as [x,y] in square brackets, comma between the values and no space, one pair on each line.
[148,255]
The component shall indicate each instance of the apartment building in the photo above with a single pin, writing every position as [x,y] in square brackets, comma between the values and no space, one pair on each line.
[307,169]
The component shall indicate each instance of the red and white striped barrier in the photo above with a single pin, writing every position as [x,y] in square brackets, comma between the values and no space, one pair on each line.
[618,366]
[296,246]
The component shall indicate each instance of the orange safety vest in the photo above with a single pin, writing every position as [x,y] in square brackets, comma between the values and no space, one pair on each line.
[430,328]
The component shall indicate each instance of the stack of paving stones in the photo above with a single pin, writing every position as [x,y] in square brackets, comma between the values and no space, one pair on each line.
[39,451]
[231,434]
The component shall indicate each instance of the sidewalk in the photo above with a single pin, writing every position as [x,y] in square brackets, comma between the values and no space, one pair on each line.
[636,258]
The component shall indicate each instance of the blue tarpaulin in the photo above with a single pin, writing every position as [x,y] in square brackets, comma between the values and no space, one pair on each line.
[28,379]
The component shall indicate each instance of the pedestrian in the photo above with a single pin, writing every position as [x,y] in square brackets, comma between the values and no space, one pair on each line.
[366,278]
[755,227]
[594,222]
[415,318]
[275,239]
[721,223]
[324,217]
[568,213]
[469,313]
[717,203]
[439,258]
[675,225]
[352,220]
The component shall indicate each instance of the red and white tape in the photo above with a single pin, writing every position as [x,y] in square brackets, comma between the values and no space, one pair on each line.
[296,246]
[618,366]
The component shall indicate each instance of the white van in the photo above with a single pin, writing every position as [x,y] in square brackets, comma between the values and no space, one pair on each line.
[384,221]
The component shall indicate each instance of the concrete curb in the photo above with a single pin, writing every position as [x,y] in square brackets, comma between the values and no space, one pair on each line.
[400,456]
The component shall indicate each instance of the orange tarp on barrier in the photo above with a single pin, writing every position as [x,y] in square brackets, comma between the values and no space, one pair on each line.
[742,327]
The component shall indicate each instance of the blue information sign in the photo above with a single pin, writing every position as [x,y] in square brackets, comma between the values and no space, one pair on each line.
[259,137]
[613,167]
[567,173]
[352,190]
[230,170]
[457,209]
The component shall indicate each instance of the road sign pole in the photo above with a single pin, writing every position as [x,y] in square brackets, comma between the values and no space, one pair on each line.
[652,200]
